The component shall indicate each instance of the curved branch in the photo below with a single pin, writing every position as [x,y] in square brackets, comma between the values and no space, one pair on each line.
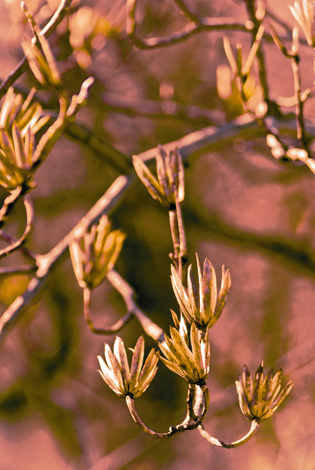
[30,215]
[101,331]
[192,421]
[186,10]
[12,270]
[25,251]
[9,203]
[198,25]
[216,442]
[127,294]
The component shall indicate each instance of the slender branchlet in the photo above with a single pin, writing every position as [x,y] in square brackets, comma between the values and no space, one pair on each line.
[30,215]
[110,330]
[217,442]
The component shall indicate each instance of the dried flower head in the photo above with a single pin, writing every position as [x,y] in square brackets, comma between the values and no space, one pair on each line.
[201,304]
[303,12]
[16,157]
[19,122]
[39,54]
[260,397]
[119,377]
[94,254]
[187,353]
[170,173]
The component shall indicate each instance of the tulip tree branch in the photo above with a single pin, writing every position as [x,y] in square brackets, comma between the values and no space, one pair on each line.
[299,108]
[12,270]
[101,331]
[10,202]
[254,17]
[216,442]
[127,293]
[186,145]
[162,109]
[191,422]
[186,10]
[179,240]
[25,251]
[196,26]
[50,27]
[29,209]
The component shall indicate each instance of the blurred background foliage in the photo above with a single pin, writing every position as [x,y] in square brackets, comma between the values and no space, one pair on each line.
[242,209]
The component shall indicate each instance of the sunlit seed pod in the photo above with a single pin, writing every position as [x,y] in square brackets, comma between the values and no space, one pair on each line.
[95,253]
[168,187]
[119,377]
[200,302]
[187,355]
[259,397]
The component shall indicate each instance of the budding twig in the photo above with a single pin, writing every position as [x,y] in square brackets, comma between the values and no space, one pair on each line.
[191,422]
[29,209]
[101,331]
[216,442]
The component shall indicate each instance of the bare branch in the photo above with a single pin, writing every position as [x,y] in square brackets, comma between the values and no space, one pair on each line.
[29,209]
[127,294]
[101,331]
[213,440]
[22,269]
[195,27]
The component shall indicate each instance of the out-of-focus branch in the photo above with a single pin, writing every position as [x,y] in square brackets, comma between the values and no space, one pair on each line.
[127,294]
[12,270]
[197,26]
[25,251]
[29,209]
[186,10]
[162,109]
[300,124]
[82,135]
[10,202]
[257,17]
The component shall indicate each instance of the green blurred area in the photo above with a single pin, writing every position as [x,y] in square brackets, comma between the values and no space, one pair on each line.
[242,209]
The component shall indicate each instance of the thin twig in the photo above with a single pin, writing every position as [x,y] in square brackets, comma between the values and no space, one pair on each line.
[216,442]
[191,421]
[10,202]
[25,251]
[300,124]
[22,66]
[101,331]
[187,11]
[272,106]
[162,109]
[127,294]
[30,215]
[22,269]
[207,24]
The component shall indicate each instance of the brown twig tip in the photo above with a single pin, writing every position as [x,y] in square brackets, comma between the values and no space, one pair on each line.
[24,8]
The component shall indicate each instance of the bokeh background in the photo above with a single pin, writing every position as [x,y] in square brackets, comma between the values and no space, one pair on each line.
[242,209]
